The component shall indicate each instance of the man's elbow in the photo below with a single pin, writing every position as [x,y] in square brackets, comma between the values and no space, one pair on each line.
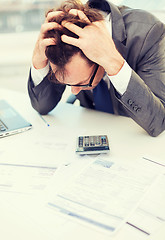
[156,131]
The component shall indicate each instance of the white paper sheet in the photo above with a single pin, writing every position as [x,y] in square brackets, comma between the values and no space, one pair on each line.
[104,194]
[45,147]
[24,179]
[150,214]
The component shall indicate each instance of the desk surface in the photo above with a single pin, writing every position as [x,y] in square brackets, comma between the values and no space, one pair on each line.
[123,132]
[128,141]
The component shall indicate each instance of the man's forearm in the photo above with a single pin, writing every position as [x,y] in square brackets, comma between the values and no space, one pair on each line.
[45,96]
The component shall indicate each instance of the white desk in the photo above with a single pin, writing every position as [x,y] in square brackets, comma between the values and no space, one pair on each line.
[127,140]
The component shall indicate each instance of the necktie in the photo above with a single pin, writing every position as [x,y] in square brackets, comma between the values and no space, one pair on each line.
[102,98]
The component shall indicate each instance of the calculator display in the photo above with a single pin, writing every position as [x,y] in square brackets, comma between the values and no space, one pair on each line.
[92,144]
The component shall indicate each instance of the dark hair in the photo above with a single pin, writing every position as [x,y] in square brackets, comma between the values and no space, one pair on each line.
[61,53]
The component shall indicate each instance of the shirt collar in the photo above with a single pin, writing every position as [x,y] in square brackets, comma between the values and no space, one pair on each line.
[108,22]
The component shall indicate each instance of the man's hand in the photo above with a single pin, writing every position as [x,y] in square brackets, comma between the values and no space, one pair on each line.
[96,43]
[39,58]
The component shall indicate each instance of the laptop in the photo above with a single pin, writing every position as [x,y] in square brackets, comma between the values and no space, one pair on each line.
[11,122]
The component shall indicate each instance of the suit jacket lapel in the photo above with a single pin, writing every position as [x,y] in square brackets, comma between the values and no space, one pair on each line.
[120,38]
[118,31]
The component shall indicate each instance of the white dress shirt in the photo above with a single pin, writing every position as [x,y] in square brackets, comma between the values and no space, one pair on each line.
[120,81]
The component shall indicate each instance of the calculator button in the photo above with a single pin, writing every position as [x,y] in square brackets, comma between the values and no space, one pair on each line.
[103,139]
[86,139]
[98,140]
[80,141]
[87,143]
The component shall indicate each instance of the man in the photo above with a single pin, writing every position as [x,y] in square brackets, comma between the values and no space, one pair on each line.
[121,54]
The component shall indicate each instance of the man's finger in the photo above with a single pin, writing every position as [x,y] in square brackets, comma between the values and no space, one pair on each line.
[80,14]
[48,42]
[72,27]
[51,15]
[49,26]
[70,40]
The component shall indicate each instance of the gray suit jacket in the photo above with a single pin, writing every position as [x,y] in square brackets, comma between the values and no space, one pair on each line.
[140,38]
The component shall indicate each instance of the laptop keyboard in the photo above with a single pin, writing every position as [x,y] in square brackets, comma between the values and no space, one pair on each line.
[2,127]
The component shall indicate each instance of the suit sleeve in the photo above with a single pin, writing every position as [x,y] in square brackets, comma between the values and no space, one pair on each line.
[45,96]
[144,98]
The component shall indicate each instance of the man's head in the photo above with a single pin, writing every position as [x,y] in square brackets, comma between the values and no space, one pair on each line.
[68,62]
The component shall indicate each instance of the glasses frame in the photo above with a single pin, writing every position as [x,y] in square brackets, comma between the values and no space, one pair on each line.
[90,81]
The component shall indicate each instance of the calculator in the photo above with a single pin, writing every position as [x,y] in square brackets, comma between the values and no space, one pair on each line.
[92,144]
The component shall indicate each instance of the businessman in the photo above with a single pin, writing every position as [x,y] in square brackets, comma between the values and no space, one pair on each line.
[113,58]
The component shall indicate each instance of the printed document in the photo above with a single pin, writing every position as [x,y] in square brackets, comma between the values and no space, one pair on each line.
[104,193]
[25,179]
[150,214]
[48,148]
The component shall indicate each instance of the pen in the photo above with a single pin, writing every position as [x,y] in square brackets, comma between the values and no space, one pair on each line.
[44,120]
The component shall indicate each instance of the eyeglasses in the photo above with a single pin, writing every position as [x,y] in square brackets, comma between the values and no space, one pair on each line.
[90,82]
[77,85]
